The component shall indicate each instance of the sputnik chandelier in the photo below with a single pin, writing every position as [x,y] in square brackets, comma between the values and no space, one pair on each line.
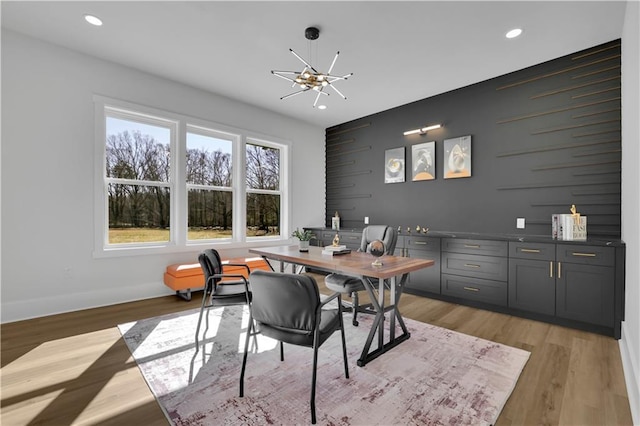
[310,78]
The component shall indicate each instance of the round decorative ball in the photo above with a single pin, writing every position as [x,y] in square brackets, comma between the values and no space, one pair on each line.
[376,248]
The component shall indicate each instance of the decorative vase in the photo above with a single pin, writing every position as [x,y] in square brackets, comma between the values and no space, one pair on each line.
[304,246]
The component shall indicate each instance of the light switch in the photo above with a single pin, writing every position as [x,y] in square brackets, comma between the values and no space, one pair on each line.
[520,223]
[366,220]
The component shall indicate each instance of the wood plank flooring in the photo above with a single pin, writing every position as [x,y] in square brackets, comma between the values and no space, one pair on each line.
[75,369]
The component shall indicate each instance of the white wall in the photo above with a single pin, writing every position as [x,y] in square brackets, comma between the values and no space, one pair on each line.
[630,342]
[48,177]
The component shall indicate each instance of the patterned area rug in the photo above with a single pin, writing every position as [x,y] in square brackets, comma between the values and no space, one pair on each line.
[437,377]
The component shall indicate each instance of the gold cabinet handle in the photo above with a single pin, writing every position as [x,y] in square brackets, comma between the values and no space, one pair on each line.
[472,246]
[524,250]
[551,269]
[471,265]
[559,270]
[471,289]
[584,254]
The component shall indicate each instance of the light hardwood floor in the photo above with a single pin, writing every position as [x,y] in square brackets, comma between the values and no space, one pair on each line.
[75,369]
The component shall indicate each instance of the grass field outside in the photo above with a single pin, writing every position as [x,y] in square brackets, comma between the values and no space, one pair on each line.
[149,235]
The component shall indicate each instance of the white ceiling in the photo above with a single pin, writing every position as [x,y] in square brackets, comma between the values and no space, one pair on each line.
[399,52]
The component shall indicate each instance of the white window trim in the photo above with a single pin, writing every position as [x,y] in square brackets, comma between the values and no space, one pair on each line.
[178,236]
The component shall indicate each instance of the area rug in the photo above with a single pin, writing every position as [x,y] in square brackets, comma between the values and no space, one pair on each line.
[437,377]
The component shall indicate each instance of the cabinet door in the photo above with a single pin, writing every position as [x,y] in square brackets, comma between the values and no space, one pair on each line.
[532,286]
[585,293]
[425,279]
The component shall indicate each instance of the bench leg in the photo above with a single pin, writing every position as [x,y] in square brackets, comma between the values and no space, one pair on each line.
[186,294]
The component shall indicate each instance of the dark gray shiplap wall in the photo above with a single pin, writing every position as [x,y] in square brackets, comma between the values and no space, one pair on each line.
[543,138]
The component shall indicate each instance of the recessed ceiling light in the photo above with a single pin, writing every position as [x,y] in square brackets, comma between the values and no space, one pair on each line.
[513,33]
[93,20]
[322,107]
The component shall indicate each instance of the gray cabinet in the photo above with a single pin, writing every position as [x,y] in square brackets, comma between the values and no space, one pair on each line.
[476,270]
[574,282]
[425,280]
[532,282]
[324,237]
[585,285]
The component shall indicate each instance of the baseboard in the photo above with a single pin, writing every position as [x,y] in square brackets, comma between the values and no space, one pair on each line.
[631,374]
[35,308]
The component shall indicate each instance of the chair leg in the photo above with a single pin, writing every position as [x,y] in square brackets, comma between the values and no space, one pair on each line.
[250,331]
[354,298]
[281,351]
[344,346]
[313,384]
[202,308]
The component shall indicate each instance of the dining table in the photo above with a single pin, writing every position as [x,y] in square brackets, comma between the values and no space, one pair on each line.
[389,273]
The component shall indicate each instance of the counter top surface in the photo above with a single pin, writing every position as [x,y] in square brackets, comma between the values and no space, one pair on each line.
[598,241]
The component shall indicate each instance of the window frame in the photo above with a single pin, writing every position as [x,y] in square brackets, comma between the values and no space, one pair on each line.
[178,187]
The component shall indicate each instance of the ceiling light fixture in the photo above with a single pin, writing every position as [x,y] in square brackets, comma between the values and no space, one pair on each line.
[513,33]
[310,78]
[93,20]
[423,130]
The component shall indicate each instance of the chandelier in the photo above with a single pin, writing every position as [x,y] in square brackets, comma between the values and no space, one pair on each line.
[310,79]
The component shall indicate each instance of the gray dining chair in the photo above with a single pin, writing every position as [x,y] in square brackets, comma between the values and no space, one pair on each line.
[350,285]
[287,308]
[220,289]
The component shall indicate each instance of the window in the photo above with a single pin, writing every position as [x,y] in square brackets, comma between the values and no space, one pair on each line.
[138,173]
[168,182]
[263,189]
[209,183]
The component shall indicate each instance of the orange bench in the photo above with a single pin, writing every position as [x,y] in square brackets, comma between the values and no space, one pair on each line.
[183,277]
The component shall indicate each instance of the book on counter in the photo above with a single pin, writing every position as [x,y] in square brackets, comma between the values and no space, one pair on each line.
[333,252]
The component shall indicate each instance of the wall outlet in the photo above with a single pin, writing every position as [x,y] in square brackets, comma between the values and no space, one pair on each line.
[520,223]
[366,220]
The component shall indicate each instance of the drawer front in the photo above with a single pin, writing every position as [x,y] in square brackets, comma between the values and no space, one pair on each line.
[486,267]
[350,239]
[487,291]
[585,255]
[422,243]
[533,251]
[484,247]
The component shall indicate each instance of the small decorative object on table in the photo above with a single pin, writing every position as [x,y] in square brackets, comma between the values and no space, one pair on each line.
[304,237]
[336,240]
[376,249]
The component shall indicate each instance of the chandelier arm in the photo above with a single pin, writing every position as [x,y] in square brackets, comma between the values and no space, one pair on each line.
[333,63]
[284,77]
[333,78]
[303,61]
[317,97]
[337,91]
[294,93]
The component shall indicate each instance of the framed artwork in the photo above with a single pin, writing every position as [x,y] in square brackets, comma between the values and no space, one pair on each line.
[457,157]
[423,161]
[394,165]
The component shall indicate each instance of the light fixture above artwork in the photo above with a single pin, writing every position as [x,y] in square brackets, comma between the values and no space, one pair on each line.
[310,79]
[422,130]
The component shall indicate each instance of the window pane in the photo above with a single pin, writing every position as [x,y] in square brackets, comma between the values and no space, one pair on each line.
[208,160]
[137,151]
[138,214]
[263,215]
[210,214]
[263,167]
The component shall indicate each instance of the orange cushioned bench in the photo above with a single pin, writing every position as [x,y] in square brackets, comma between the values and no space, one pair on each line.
[184,277]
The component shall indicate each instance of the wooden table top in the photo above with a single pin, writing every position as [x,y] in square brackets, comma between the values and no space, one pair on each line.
[354,263]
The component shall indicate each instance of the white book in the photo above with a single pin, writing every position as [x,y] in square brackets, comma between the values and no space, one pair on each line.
[335,252]
[335,248]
